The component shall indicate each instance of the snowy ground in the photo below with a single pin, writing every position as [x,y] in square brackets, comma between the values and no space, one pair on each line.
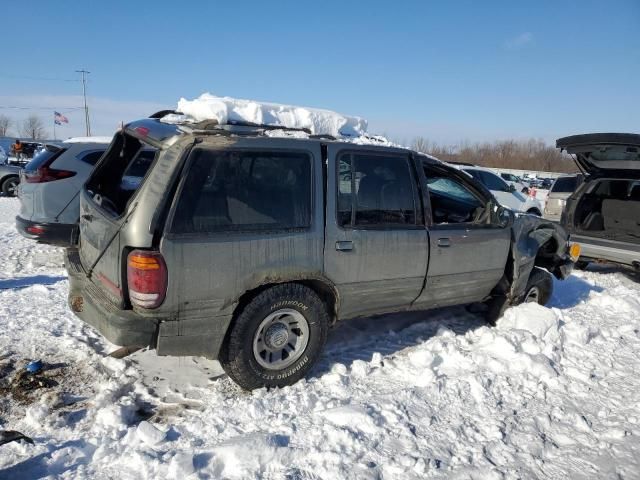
[548,393]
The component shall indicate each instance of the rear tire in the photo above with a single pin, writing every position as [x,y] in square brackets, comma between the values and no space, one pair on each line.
[276,338]
[10,185]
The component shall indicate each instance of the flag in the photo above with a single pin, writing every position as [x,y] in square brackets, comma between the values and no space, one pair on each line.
[59,119]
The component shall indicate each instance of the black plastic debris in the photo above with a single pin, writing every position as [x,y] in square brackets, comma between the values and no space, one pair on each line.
[7,436]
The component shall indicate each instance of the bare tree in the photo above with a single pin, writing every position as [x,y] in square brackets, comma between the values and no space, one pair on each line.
[420,144]
[5,124]
[533,154]
[33,128]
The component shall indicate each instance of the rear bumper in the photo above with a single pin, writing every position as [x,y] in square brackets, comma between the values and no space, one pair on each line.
[617,254]
[121,327]
[61,234]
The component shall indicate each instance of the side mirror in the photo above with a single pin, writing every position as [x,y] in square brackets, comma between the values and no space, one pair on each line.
[506,217]
[512,187]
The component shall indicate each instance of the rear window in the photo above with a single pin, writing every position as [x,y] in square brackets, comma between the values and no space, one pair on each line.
[110,185]
[565,185]
[245,191]
[45,157]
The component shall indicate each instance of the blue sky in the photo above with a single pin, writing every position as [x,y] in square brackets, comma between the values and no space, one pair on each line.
[449,71]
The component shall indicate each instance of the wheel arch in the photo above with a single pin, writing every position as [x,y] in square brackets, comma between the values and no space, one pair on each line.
[320,285]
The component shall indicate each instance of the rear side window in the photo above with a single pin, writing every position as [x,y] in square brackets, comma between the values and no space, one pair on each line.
[375,190]
[565,185]
[245,191]
[92,157]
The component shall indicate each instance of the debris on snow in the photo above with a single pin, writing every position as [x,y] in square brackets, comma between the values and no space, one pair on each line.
[7,436]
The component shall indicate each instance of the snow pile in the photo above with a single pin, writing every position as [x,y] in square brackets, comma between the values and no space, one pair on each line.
[226,109]
[88,140]
[547,393]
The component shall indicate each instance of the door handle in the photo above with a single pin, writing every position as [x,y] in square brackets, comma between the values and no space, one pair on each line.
[344,245]
[444,242]
[88,218]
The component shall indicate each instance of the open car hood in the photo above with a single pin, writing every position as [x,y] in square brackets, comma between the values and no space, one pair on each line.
[604,153]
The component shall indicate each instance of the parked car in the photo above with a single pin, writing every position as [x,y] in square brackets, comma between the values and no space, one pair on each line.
[30,149]
[561,189]
[603,214]
[506,194]
[546,183]
[9,179]
[50,187]
[514,180]
[247,248]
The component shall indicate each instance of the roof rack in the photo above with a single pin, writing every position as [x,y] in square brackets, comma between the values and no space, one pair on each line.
[163,113]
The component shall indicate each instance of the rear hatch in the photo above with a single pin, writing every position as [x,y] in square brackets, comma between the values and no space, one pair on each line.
[109,200]
[614,154]
[28,189]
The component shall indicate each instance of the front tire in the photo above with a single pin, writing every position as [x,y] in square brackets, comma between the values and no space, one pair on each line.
[10,186]
[276,338]
[539,287]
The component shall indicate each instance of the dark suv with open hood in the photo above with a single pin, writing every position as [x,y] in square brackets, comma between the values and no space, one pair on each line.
[603,214]
[245,244]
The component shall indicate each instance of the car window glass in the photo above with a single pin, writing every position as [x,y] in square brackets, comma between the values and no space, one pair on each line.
[493,182]
[245,191]
[43,157]
[451,200]
[92,157]
[375,190]
[565,185]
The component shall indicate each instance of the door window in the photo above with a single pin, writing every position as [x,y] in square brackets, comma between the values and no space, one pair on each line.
[245,191]
[375,190]
[451,200]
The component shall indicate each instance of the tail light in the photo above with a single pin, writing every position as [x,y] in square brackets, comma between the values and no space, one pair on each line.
[44,173]
[146,278]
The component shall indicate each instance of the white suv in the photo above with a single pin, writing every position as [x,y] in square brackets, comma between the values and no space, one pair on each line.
[506,194]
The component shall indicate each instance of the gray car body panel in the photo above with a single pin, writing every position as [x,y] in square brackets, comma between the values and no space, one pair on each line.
[58,201]
[387,270]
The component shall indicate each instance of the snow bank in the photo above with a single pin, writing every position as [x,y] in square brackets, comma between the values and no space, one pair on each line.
[227,109]
[88,140]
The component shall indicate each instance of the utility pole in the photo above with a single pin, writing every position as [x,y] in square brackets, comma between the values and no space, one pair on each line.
[84,94]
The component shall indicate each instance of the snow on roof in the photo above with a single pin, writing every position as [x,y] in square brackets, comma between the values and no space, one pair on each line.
[88,140]
[227,109]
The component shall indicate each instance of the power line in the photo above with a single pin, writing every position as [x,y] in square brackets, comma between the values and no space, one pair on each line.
[7,107]
[45,79]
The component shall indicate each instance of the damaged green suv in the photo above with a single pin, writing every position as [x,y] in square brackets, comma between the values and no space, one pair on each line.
[246,245]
